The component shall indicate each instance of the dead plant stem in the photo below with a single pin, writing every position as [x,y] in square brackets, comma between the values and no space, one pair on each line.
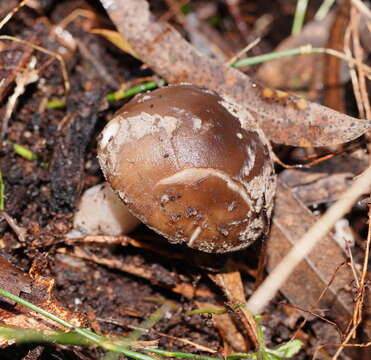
[268,289]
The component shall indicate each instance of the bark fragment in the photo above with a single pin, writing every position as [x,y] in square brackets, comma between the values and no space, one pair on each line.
[67,165]
[12,280]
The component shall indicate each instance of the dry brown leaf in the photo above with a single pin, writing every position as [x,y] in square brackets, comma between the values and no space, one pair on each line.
[231,283]
[116,39]
[171,57]
[292,219]
[317,188]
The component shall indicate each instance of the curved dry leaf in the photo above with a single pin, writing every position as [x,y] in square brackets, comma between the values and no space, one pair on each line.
[170,56]
[116,39]
[292,219]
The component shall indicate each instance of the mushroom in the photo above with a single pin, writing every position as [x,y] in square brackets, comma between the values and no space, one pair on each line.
[101,211]
[183,162]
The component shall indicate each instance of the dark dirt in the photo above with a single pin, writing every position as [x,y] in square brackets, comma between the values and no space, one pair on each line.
[41,195]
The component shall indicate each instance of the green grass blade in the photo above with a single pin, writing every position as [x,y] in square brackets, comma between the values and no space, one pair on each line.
[115,96]
[301,9]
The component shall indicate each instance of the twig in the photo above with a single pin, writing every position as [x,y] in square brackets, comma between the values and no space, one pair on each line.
[358,54]
[246,49]
[352,265]
[174,10]
[74,15]
[305,320]
[2,192]
[20,232]
[23,79]
[357,313]
[260,299]
[352,71]
[314,314]
[11,13]
[59,57]
[181,340]
[333,67]
[362,8]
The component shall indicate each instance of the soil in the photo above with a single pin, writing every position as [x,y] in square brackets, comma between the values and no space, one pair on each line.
[41,195]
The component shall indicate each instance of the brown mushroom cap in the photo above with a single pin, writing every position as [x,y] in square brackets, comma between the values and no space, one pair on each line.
[183,165]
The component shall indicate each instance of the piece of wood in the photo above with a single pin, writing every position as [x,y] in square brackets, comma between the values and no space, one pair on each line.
[13,280]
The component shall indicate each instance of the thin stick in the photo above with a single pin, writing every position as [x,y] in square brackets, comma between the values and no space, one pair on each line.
[353,73]
[246,49]
[74,14]
[22,80]
[59,57]
[2,193]
[357,313]
[358,54]
[260,299]
[362,8]
[352,266]
[11,13]
[305,320]
[349,59]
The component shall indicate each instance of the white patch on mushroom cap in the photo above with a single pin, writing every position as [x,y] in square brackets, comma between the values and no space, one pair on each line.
[192,175]
[123,130]
[232,206]
[194,235]
[143,98]
[185,114]
[136,127]
[250,161]
[197,123]
[109,4]
[109,132]
[168,123]
[252,232]
[247,121]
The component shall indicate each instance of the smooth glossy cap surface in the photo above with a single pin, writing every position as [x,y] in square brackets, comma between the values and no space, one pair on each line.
[180,160]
